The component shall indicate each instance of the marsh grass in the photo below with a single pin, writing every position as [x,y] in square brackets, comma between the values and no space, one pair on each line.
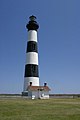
[52,109]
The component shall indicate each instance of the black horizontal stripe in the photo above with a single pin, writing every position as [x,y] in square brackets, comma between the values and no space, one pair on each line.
[31,70]
[32,46]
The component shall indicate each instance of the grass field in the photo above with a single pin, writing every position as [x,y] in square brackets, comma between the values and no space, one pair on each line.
[52,109]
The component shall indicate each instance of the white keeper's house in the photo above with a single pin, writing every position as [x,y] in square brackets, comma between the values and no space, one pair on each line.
[41,92]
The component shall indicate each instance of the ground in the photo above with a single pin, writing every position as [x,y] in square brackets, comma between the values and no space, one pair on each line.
[52,109]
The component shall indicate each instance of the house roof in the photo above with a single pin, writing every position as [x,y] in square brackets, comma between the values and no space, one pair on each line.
[38,88]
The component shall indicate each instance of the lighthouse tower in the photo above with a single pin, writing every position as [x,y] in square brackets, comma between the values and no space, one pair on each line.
[31,75]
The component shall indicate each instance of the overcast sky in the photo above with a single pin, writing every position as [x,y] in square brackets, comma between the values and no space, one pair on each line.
[58,42]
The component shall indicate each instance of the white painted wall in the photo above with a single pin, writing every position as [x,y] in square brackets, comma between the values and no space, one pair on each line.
[27,80]
[32,58]
[32,35]
[35,93]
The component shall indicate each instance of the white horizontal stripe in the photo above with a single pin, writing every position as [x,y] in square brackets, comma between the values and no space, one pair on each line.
[32,58]
[27,80]
[32,35]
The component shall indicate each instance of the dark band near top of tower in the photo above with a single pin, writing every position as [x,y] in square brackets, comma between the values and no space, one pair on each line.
[32,46]
[32,25]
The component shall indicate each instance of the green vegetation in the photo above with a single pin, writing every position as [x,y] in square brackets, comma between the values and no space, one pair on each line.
[52,109]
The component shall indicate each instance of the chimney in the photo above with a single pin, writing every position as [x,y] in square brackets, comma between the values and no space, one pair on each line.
[30,83]
[45,84]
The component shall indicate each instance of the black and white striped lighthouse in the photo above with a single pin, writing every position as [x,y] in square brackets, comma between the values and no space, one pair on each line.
[31,74]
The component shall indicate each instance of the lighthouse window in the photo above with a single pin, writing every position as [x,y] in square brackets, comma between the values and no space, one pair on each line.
[33,69]
[33,46]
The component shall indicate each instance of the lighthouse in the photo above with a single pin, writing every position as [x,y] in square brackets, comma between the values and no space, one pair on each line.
[32,89]
[31,74]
